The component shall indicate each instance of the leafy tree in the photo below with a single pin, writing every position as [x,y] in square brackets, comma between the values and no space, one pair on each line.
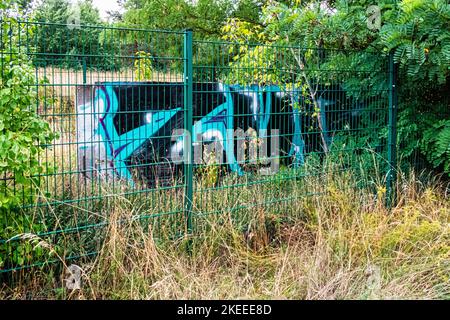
[420,39]
[419,35]
[204,17]
[61,33]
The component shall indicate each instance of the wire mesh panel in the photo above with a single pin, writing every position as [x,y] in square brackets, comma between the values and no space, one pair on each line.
[114,96]
[270,120]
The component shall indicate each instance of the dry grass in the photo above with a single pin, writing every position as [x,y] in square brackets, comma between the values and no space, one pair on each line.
[343,244]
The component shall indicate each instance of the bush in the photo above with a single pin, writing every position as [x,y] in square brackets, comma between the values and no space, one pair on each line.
[23,136]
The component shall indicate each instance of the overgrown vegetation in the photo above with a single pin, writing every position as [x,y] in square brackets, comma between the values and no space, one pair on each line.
[339,244]
[315,234]
[23,137]
[415,30]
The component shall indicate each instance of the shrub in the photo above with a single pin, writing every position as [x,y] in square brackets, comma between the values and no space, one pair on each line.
[23,136]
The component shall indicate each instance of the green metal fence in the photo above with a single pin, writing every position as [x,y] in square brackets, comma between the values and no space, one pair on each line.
[159,128]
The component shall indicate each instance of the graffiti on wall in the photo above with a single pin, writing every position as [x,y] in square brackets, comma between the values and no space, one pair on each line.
[125,126]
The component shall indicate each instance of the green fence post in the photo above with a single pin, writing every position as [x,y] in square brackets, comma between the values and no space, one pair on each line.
[188,152]
[84,71]
[392,135]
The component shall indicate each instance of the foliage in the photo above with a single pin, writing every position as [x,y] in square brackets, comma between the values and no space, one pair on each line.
[253,65]
[143,66]
[208,172]
[436,144]
[417,31]
[420,39]
[23,133]
[295,44]
[204,17]
[23,136]
[61,37]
